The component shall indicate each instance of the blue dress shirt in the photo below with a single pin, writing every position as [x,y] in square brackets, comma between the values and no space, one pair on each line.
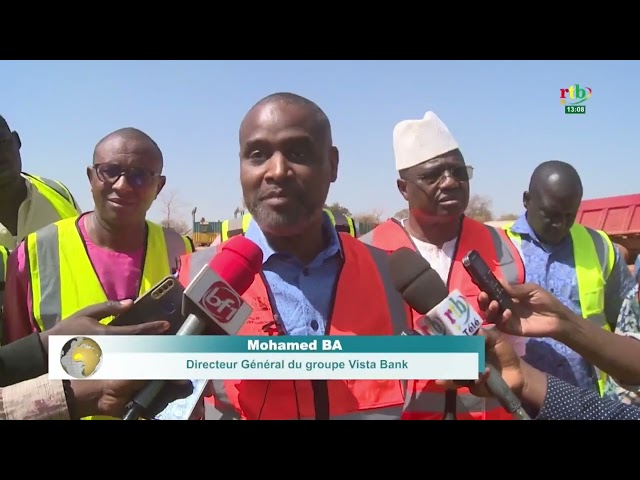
[303,294]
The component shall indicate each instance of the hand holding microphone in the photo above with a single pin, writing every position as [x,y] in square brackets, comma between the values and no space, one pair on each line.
[535,312]
[212,303]
[502,357]
[444,313]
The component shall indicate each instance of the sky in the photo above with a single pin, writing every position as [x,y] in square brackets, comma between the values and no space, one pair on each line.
[506,116]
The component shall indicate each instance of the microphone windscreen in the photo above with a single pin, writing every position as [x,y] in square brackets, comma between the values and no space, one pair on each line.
[237,263]
[420,285]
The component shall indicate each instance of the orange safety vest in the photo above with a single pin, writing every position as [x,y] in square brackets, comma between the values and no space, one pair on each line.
[505,262]
[364,304]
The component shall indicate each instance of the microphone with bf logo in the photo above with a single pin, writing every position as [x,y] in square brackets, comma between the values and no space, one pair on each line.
[212,303]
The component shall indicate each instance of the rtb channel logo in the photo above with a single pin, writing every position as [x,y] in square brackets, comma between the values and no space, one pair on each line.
[573,99]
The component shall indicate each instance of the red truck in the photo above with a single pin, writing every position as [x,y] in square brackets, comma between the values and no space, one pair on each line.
[619,217]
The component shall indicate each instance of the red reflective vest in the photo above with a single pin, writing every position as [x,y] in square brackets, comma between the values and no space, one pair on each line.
[503,259]
[365,303]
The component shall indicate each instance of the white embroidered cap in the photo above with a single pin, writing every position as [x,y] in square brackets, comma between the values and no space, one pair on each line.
[416,141]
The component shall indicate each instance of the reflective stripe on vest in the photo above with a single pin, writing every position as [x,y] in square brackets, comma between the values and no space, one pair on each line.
[62,277]
[364,304]
[239,226]
[503,259]
[342,222]
[57,194]
[594,258]
[4,255]
[235,226]
[63,280]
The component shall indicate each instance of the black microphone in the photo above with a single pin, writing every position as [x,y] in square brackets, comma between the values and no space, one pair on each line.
[425,292]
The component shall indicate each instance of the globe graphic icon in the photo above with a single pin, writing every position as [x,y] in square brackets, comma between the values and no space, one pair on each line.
[81,357]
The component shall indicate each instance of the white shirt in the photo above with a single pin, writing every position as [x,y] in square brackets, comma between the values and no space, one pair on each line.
[441,260]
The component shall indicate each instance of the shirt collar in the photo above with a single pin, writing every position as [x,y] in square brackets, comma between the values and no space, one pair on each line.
[521,227]
[333,247]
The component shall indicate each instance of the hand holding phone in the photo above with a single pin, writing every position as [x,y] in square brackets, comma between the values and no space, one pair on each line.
[162,302]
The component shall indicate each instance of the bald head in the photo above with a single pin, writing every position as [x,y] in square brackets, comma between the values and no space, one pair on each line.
[319,120]
[128,138]
[10,160]
[4,125]
[287,163]
[126,177]
[556,178]
[553,200]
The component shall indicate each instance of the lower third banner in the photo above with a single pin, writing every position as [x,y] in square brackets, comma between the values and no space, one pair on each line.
[266,358]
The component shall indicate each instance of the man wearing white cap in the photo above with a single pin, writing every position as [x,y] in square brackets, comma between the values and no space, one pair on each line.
[434,180]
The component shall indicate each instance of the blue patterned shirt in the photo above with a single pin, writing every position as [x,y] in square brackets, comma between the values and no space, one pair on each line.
[553,268]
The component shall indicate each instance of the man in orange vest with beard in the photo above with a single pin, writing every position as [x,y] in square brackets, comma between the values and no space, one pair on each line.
[434,180]
[314,280]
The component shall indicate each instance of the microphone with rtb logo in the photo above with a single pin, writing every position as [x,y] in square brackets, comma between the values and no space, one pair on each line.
[452,316]
[444,314]
[212,303]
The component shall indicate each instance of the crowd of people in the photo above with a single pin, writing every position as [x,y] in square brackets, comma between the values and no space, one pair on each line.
[69,271]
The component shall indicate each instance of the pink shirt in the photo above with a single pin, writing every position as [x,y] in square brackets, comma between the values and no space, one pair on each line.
[118,272]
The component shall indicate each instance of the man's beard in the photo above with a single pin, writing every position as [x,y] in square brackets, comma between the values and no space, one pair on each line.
[296,215]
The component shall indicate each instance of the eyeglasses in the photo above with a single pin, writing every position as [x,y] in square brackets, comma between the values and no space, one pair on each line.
[110,173]
[460,174]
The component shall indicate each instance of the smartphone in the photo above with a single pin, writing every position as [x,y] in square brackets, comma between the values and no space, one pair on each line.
[486,281]
[164,302]
[172,404]
[161,302]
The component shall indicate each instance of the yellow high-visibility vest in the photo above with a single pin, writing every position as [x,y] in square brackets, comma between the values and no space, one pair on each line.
[239,226]
[56,193]
[4,255]
[594,258]
[342,222]
[62,277]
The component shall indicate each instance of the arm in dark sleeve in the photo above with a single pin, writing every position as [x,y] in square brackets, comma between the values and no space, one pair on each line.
[22,360]
[567,402]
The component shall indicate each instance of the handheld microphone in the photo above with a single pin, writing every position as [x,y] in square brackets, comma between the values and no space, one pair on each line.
[212,302]
[444,313]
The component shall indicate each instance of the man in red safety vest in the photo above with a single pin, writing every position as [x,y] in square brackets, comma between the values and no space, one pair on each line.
[434,180]
[314,281]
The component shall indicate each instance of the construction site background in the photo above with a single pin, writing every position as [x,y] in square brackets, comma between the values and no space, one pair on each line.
[618,216]
[205,233]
